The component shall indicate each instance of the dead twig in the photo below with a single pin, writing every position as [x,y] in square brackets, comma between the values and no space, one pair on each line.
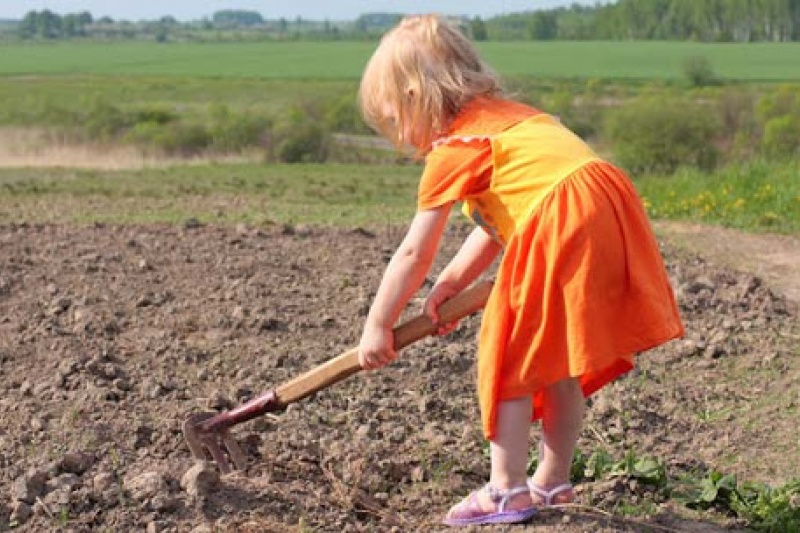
[356,500]
[588,509]
[46,508]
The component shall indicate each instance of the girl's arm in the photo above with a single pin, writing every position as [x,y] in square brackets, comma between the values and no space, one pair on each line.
[476,255]
[403,277]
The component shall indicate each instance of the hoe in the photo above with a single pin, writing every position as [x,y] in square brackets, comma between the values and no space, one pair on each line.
[208,434]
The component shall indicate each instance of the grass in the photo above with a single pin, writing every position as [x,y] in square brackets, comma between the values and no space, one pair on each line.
[761,196]
[346,60]
[345,195]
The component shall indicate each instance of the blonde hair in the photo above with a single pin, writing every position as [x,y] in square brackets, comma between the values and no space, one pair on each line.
[422,73]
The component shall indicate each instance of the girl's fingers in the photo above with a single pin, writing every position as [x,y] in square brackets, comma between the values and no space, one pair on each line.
[444,329]
[430,310]
[375,361]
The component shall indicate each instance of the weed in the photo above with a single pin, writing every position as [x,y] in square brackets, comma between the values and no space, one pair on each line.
[63,517]
[303,527]
[116,470]
[775,510]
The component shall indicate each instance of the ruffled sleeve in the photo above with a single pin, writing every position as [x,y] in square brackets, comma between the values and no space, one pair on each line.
[454,169]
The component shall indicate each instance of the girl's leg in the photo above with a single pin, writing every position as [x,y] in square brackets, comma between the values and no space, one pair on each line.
[509,450]
[562,422]
[509,454]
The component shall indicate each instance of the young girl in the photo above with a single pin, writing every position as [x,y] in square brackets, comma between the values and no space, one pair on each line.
[581,287]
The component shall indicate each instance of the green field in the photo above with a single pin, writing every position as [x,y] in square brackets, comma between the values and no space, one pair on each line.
[345,60]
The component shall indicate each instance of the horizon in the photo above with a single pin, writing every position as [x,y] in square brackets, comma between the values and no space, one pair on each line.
[188,10]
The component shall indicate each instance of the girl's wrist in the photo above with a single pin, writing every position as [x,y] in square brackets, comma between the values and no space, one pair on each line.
[450,282]
[375,323]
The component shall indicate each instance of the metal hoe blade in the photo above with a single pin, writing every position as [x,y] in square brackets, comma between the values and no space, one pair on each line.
[218,445]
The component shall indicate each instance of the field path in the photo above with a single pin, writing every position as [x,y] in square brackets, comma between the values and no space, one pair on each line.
[774,258]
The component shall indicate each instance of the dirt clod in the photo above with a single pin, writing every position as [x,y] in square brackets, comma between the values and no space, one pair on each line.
[143,487]
[77,462]
[29,487]
[200,479]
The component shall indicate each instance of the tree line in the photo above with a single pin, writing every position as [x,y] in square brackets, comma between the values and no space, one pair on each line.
[699,20]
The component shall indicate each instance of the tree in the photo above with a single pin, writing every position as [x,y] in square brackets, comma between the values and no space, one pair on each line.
[478,29]
[544,26]
[233,18]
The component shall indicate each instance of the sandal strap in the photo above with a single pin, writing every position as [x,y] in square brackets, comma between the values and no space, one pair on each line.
[548,495]
[502,496]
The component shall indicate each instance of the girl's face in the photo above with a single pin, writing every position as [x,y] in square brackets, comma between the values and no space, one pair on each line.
[410,134]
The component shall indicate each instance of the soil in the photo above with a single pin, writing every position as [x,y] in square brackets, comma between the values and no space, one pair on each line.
[110,336]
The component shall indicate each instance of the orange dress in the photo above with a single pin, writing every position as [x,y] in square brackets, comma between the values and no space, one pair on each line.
[581,288]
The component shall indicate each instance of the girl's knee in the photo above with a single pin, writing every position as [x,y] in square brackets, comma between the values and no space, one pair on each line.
[566,386]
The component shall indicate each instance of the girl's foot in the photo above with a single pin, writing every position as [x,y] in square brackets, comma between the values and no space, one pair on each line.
[490,505]
[544,496]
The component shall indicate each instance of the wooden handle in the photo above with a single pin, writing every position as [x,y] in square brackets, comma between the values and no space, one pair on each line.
[346,364]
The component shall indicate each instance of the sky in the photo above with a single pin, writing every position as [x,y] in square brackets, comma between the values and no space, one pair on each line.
[186,10]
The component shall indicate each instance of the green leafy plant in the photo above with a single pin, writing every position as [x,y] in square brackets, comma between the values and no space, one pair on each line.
[600,464]
[773,510]
[714,490]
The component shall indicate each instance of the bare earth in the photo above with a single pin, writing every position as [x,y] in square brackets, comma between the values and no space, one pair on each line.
[110,336]
[775,258]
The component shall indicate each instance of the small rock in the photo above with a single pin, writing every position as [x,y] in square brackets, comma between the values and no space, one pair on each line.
[64,481]
[67,367]
[144,301]
[103,481]
[58,498]
[28,487]
[122,384]
[363,432]
[146,486]
[714,351]
[219,401]
[164,503]
[77,462]
[397,435]
[25,388]
[38,424]
[200,479]
[143,437]
[20,512]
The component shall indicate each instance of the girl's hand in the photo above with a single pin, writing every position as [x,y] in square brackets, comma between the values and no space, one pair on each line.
[376,348]
[440,293]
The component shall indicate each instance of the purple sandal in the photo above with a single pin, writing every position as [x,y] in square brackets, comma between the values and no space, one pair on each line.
[548,496]
[468,512]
